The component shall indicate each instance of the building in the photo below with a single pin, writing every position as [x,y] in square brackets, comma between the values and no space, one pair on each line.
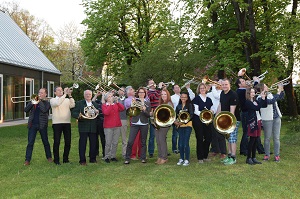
[24,69]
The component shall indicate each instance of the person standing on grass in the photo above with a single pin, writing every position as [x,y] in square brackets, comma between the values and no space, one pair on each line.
[123,116]
[86,127]
[229,102]
[139,124]
[271,120]
[184,129]
[253,122]
[38,121]
[61,121]
[112,125]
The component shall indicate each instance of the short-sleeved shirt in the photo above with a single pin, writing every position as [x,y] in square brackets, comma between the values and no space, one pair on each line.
[230,99]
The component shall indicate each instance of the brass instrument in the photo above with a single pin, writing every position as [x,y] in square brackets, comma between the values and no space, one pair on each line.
[229,71]
[148,86]
[87,82]
[262,76]
[135,108]
[191,79]
[164,115]
[242,73]
[75,85]
[183,116]
[172,82]
[207,80]
[34,98]
[206,116]
[225,123]
[89,112]
[283,82]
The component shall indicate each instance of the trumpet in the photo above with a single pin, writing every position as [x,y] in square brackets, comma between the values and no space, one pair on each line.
[172,82]
[75,85]
[148,87]
[262,76]
[283,82]
[207,80]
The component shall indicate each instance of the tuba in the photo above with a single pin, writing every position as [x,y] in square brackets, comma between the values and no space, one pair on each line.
[225,123]
[183,116]
[164,115]
[206,116]
[89,112]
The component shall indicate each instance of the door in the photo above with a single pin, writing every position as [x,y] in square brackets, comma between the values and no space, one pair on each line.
[1,98]
[29,89]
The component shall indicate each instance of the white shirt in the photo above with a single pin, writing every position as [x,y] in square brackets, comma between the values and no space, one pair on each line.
[175,99]
[214,95]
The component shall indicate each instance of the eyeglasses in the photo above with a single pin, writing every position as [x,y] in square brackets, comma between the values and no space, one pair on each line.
[141,92]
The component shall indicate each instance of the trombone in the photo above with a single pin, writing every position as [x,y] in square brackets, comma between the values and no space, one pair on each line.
[191,79]
[242,73]
[283,82]
[207,80]
[34,98]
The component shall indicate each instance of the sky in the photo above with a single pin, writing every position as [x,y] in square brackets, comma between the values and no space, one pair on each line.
[56,13]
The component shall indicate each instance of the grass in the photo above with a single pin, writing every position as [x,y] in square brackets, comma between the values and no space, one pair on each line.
[116,180]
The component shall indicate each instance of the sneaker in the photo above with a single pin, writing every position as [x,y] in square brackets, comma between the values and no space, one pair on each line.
[206,160]
[180,162]
[230,161]
[225,159]
[277,158]
[200,161]
[266,158]
[186,163]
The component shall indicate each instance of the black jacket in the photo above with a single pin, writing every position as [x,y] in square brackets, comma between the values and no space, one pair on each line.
[44,113]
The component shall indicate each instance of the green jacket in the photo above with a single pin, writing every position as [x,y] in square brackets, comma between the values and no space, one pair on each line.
[84,125]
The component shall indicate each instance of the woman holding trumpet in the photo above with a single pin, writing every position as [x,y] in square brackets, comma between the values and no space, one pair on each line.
[271,120]
[139,123]
[202,131]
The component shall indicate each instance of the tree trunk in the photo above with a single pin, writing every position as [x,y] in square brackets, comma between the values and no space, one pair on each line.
[289,90]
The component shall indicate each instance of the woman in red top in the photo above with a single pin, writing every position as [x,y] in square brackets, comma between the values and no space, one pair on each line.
[112,125]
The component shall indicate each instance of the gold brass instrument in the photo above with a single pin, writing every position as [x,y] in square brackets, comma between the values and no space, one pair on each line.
[183,116]
[283,82]
[34,98]
[207,80]
[230,72]
[242,73]
[191,79]
[164,115]
[135,108]
[206,116]
[225,122]
[89,112]
[75,85]
[87,82]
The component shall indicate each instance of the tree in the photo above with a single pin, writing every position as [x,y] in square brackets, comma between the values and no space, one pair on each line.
[118,31]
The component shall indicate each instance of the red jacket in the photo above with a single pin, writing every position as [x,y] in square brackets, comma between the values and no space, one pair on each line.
[112,115]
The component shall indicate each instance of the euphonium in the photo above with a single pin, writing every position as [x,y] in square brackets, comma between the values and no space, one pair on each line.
[183,116]
[164,115]
[225,122]
[206,116]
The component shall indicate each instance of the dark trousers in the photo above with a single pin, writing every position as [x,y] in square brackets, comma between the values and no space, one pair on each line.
[58,129]
[203,136]
[218,141]
[244,140]
[134,129]
[252,147]
[151,145]
[82,146]
[175,138]
[32,131]
[100,133]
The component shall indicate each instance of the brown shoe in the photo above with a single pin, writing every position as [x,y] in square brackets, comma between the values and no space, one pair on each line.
[83,164]
[158,161]
[26,163]
[222,156]
[50,160]
[163,161]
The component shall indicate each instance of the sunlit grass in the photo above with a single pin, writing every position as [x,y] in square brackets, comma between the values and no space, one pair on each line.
[116,180]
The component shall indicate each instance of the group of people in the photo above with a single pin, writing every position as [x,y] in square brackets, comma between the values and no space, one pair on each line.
[104,119]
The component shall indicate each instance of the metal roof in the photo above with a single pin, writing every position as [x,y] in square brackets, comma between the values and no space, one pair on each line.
[17,49]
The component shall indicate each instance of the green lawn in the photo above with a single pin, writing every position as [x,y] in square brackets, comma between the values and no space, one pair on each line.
[116,180]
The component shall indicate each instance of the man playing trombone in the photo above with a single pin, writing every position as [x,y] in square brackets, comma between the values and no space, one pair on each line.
[38,110]
[61,121]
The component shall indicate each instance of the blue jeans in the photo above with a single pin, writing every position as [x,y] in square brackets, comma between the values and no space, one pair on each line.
[184,142]
[151,140]
[32,131]
[174,138]
[244,140]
